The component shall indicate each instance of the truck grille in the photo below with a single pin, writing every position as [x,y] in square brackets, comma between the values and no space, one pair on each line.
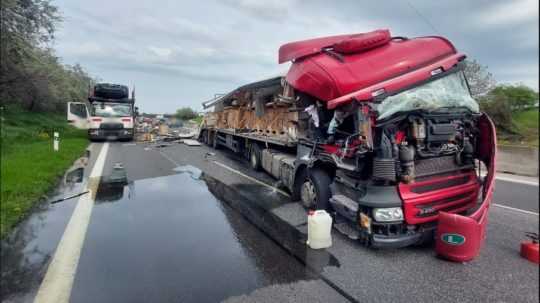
[438,165]
[111,126]
[423,200]
[420,189]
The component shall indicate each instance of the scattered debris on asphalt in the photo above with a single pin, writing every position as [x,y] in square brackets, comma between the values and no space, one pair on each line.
[118,174]
[191,142]
[70,197]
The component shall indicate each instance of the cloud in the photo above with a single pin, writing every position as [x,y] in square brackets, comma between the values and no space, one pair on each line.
[181,53]
[267,10]
[509,13]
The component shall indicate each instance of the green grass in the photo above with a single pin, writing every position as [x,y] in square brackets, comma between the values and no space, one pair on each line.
[525,127]
[29,167]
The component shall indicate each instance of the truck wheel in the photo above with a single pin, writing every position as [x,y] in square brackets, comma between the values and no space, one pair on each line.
[315,190]
[255,157]
[215,144]
[204,137]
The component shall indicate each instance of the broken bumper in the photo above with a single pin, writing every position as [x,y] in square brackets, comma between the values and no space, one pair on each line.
[403,240]
[460,238]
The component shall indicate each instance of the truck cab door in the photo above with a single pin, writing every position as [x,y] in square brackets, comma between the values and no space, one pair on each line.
[78,115]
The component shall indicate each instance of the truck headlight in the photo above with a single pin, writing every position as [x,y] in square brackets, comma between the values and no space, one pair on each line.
[388,214]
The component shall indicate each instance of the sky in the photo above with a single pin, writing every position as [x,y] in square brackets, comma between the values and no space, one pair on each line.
[181,53]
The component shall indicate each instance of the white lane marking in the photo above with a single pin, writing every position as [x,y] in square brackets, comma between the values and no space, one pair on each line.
[516,209]
[236,172]
[56,286]
[288,195]
[252,179]
[169,158]
[515,180]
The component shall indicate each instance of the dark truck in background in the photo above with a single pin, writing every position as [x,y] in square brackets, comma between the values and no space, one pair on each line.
[108,115]
[380,131]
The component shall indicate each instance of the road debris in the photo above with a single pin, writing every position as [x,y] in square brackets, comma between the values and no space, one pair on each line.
[191,142]
[208,155]
[69,197]
[529,249]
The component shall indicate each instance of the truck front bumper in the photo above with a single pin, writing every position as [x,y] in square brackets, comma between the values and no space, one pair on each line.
[403,240]
[110,134]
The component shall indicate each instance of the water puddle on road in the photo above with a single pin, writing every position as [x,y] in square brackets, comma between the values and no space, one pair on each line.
[174,238]
[184,238]
[27,249]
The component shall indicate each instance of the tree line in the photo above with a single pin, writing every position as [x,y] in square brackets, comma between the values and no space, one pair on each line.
[31,75]
[499,101]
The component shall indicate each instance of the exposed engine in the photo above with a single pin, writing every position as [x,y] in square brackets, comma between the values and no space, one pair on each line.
[419,145]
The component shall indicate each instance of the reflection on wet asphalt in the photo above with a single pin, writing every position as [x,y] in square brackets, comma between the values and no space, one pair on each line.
[186,237]
[176,242]
[26,251]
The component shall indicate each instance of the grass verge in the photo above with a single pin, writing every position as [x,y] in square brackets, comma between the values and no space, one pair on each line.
[30,167]
[524,129]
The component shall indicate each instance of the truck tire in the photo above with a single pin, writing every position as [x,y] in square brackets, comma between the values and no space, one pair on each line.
[215,144]
[315,190]
[255,157]
[204,137]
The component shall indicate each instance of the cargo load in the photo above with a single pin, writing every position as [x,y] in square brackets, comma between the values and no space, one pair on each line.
[110,91]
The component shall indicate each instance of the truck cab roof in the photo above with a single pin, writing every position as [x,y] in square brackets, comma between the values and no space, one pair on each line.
[330,67]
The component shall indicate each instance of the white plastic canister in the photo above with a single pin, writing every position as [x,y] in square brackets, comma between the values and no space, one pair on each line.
[319,229]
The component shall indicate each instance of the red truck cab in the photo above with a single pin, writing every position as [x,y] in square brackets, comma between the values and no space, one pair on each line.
[380,131]
[412,145]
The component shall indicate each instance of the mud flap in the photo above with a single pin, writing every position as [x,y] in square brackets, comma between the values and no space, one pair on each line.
[460,238]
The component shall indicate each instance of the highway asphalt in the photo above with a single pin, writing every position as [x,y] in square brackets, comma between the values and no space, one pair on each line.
[192,224]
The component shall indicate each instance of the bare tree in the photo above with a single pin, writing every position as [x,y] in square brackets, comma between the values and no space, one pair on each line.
[480,79]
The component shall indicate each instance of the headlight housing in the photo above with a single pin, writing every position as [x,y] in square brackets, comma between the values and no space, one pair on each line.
[388,214]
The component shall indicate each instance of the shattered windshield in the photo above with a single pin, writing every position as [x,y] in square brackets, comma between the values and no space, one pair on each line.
[448,92]
[111,110]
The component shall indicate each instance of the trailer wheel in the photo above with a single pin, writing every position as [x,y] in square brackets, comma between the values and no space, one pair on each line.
[215,143]
[255,157]
[315,190]
[204,137]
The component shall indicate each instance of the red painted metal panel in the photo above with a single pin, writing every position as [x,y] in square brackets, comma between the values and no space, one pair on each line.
[344,43]
[327,77]
[471,228]
[454,198]
[399,82]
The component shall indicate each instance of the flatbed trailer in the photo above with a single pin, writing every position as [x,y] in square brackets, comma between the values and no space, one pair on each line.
[223,134]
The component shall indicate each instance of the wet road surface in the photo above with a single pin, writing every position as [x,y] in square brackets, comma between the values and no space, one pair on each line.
[177,242]
[184,229]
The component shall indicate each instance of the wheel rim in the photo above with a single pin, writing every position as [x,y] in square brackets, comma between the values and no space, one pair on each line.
[308,194]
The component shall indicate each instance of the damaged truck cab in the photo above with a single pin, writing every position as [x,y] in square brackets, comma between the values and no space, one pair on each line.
[381,131]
